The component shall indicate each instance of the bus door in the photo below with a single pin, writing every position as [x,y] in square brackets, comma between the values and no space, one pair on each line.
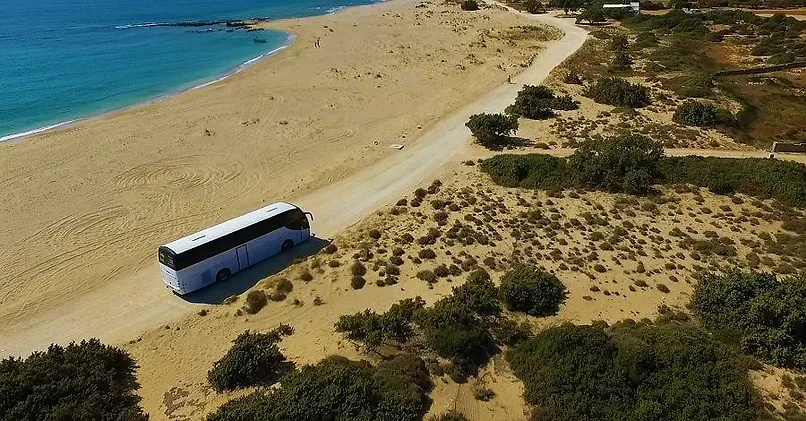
[243,257]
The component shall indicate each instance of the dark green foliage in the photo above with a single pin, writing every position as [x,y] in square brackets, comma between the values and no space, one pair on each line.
[632,372]
[254,359]
[618,92]
[593,14]
[572,78]
[339,389]
[374,329]
[695,113]
[534,6]
[470,5]
[617,164]
[88,381]
[531,290]
[621,55]
[492,130]
[510,333]
[457,327]
[539,103]
[449,416]
[532,171]
[766,316]
[764,178]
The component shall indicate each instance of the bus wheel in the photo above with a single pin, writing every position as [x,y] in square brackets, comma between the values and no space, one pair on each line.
[287,244]
[223,275]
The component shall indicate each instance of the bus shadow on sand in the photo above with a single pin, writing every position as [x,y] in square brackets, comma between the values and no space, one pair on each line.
[242,281]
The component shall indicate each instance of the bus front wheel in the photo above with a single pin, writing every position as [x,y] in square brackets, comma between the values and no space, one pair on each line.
[287,245]
[223,275]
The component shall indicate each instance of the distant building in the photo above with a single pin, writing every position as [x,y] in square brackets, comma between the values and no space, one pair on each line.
[634,7]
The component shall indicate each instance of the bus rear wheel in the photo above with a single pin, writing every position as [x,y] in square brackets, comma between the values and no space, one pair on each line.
[223,275]
[287,245]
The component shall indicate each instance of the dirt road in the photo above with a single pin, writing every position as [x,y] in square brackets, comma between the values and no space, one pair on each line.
[122,311]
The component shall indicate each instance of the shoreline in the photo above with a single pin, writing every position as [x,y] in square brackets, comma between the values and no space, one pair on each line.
[21,136]
[290,38]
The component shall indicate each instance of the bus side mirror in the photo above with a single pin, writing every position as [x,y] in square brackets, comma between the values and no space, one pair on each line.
[310,215]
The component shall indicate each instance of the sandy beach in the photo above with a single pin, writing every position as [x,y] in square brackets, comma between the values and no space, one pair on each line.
[85,207]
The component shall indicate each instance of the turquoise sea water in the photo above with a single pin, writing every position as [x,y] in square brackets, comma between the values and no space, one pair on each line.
[62,60]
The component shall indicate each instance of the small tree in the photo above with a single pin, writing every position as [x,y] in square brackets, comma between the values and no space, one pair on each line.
[534,6]
[533,102]
[533,291]
[592,15]
[492,130]
[86,381]
[470,5]
[619,164]
[254,359]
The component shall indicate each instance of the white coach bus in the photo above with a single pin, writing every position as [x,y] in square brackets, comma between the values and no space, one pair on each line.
[215,254]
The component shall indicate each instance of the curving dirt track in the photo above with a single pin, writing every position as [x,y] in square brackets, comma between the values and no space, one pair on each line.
[123,310]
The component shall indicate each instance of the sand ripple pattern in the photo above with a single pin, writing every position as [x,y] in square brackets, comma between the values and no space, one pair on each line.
[73,226]
[185,172]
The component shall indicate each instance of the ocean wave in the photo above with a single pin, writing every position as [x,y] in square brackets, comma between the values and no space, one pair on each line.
[333,10]
[141,25]
[35,131]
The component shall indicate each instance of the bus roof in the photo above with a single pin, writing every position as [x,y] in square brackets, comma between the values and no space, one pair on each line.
[205,236]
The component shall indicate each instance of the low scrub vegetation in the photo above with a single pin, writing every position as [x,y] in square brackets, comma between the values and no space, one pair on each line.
[632,371]
[761,313]
[618,92]
[631,164]
[253,360]
[492,131]
[466,327]
[696,113]
[85,381]
[339,389]
[764,178]
[531,290]
[618,164]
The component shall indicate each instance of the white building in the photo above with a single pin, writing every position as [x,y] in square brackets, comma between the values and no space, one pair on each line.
[634,7]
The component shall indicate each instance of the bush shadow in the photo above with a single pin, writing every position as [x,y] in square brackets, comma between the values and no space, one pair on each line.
[242,281]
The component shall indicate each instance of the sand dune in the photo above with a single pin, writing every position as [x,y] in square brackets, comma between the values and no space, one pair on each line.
[87,206]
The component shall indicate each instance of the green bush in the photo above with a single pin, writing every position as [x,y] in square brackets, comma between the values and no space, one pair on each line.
[492,130]
[601,164]
[572,78]
[618,92]
[765,315]
[534,6]
[617,164]
[339,389]
[632,372]
[255,301]
[695,113]
[470,5]
[374,329]
[764,178]
[448,416]
[530,171]
[85,381]
[539,103]
[531,290]
[254,359]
